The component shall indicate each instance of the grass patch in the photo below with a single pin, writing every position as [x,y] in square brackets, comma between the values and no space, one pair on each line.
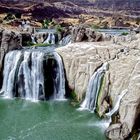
[31,44]
[125,33]
[41,45]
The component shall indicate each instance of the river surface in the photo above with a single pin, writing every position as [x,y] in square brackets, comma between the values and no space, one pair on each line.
[50,120]
[113,31]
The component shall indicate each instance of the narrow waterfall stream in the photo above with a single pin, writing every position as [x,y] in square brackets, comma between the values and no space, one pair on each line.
[59,91]
[24,75]
[90,100]
[66,40]
[50,39]
[116,104]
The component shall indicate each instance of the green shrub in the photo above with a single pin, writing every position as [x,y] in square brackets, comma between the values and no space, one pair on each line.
[59,28]
[41,45]
[45,23]
[73,95]
[29,43]
[74,102]
[125,33]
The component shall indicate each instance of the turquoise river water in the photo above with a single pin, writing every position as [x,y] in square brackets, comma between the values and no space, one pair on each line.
[50,120]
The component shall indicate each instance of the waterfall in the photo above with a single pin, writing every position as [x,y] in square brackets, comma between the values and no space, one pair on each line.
[66,40]
[117,103]
[24,75]
[93,89]
[33,39]
[33,76]
[59,91]
[37,74]
[11,62]
[50,39]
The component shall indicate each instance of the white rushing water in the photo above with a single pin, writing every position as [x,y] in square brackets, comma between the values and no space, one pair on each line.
[50,39]
[66,40]
[59,90]
[117,104]
[37,74]
[33,39]
[93,89]
[11,62]
[24,75]
[33,75]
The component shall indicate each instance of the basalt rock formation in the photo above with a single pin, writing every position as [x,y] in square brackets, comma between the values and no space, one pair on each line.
[81,60]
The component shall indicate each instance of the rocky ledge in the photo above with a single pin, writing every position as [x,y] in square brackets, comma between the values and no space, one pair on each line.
[81,60]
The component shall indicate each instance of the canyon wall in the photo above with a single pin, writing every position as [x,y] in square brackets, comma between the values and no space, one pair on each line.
[81,60]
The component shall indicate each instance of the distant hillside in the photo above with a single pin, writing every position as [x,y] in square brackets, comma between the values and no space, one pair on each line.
[68,8]
[103,4]
[117,4]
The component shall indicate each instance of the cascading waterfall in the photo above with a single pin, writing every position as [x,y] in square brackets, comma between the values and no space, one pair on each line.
[33,76]
[24,75]
[93,89]
[11,63]
[66,40]
[59,91]
[117,103]
[50,39]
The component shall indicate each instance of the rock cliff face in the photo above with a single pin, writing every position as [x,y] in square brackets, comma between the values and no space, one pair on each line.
[8,41]
[82,59]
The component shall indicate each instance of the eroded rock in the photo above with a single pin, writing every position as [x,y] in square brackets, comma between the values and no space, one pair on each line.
[82,59]
[81,33]
[10,41]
